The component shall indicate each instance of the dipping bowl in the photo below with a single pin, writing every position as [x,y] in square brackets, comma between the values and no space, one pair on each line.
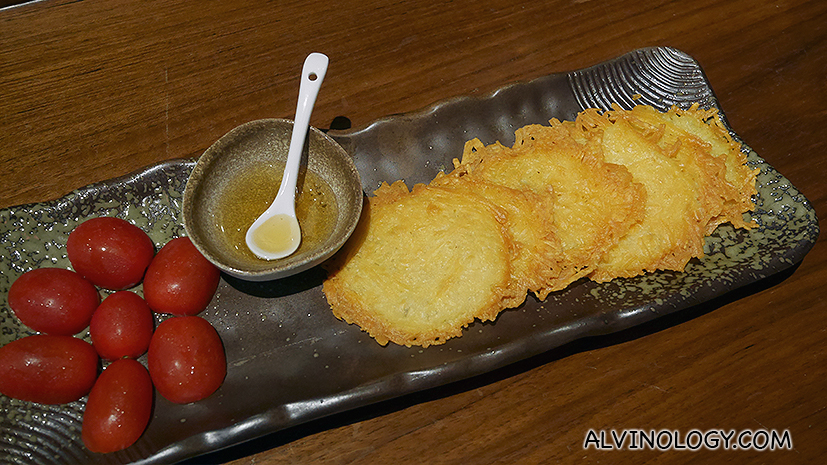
[243,149]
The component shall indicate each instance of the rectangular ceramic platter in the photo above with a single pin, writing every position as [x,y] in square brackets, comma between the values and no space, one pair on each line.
[290,361]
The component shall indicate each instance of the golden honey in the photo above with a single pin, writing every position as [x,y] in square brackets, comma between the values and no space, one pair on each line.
[249,195]
[277,234]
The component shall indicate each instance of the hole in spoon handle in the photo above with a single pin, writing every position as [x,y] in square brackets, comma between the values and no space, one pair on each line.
[313,72]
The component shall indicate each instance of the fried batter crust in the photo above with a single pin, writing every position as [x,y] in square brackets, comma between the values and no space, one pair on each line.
[608,195]
[423,265]
[594,202]
[688,194]
[536,250]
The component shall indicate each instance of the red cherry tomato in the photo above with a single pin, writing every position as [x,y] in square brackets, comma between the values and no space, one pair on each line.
[119,407]
[186,359]
[47,369]
[110,252]
[121,326]
[53,300]
[180,280]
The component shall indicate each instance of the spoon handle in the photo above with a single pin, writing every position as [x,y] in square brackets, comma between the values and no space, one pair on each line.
[313,72]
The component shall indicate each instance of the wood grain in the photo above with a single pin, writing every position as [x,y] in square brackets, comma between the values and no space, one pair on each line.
[91,90]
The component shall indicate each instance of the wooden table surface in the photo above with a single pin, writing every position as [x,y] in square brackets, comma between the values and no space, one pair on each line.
[92,89]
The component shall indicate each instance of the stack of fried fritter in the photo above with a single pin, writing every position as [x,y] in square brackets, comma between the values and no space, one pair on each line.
[611,194]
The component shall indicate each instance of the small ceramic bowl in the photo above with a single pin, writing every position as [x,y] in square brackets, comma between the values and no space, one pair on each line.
[246,148]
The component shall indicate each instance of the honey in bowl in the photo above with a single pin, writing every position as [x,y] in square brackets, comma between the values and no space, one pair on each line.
[249,195]
[278,234]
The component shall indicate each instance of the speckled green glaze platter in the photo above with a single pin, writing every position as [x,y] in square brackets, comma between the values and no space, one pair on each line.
[290,361]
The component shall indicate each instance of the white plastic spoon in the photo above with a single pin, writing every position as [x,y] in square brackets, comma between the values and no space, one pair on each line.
[276,233]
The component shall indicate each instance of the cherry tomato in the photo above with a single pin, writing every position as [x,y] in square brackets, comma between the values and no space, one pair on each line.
[186,359]
[47,369]
[121,326]
[119,407]
[180,280]
[110,252]
[53,300]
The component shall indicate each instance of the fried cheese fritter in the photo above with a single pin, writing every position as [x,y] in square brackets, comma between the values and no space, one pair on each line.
[685,185]
[422,265]
[536,249]
[609,195]
[594,202]
[705,127]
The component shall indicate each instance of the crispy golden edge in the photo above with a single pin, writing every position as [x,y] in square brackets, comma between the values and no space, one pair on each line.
[720,201]
[568,139]
[731,178]
[727,184]
[348,306]
[719,197]
[632,193]
[538,260]
[688,245]
[740,178]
